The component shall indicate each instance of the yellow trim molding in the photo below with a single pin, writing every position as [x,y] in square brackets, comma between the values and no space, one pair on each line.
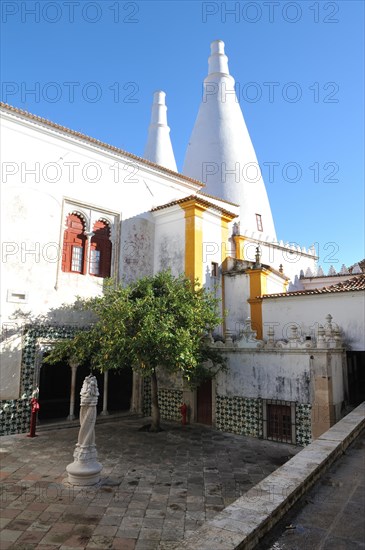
[258,287]
[239,241]
[194,239]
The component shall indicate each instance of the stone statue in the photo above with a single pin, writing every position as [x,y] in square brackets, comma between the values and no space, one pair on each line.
[85,469]
[89,398]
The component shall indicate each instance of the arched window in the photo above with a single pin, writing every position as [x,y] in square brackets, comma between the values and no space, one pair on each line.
[100,250]
[74,245]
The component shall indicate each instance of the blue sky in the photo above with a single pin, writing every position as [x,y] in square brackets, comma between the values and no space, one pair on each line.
[299,69]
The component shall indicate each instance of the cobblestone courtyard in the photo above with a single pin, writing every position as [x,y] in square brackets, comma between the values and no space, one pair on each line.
[155,490]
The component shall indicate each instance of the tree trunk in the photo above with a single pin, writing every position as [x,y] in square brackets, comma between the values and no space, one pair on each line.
[155,426]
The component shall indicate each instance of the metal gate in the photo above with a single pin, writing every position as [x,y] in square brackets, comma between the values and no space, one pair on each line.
[279,421]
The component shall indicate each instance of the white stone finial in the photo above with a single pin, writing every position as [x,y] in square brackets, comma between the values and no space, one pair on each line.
[158,147]
[344,270]
[271,335]
[217,47]
[332,271]
[159,109]
[218,61]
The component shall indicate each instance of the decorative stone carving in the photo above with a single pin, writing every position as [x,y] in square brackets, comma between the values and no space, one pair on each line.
[328,336]
[228,337]
[85,469]
[270,336]
[247,337]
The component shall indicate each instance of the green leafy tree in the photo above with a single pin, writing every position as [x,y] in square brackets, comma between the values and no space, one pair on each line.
[154,323]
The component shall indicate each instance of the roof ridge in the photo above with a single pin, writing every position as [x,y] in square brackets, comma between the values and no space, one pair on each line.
[94,141]
[350,285]
[191,197]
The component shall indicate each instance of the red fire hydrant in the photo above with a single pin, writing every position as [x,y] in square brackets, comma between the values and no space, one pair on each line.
[33,418]
[184,412]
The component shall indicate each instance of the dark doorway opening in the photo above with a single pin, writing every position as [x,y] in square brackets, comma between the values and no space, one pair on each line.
[204,403]
[55,390]
[120,386]
[356,377]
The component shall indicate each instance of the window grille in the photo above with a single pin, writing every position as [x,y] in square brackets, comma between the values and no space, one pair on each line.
[259,222]
[76,260]
[94,262]
[279,421]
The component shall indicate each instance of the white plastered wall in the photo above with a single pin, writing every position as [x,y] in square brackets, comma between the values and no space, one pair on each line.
[237,290]
[45,174]
[266,375]
[169,249]
[309,311]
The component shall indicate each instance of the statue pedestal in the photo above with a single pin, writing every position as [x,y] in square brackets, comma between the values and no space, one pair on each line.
[85,469]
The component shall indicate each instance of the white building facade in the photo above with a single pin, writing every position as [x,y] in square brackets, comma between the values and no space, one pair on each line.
[76,210]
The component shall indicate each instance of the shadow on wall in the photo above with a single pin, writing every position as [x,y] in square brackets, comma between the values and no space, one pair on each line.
[25,339]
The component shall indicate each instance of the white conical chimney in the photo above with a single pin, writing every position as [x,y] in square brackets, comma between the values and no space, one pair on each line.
[220,152]
[158,147]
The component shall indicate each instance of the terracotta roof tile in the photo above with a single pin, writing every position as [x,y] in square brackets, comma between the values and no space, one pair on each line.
[217,198]
[350,285]
[199,200]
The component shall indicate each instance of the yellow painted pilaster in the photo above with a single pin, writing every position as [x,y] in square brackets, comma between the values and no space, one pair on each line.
[258,287]
[239,242]
[193,240]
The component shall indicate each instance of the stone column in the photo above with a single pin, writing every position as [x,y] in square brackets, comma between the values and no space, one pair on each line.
[85,469]
[322,405]
[105,412]
[71,415]
[89,235]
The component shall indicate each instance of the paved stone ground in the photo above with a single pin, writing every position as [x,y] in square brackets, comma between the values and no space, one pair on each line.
[156,488]
[331,516]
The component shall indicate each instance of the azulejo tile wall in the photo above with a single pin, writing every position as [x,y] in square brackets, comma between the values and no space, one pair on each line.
[303,424]
[170,403]
[15,413]
[244,416]
[168,399]
[147,403]
[239,415]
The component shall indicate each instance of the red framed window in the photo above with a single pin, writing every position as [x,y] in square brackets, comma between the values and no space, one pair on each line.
[100,250]
[74,245]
